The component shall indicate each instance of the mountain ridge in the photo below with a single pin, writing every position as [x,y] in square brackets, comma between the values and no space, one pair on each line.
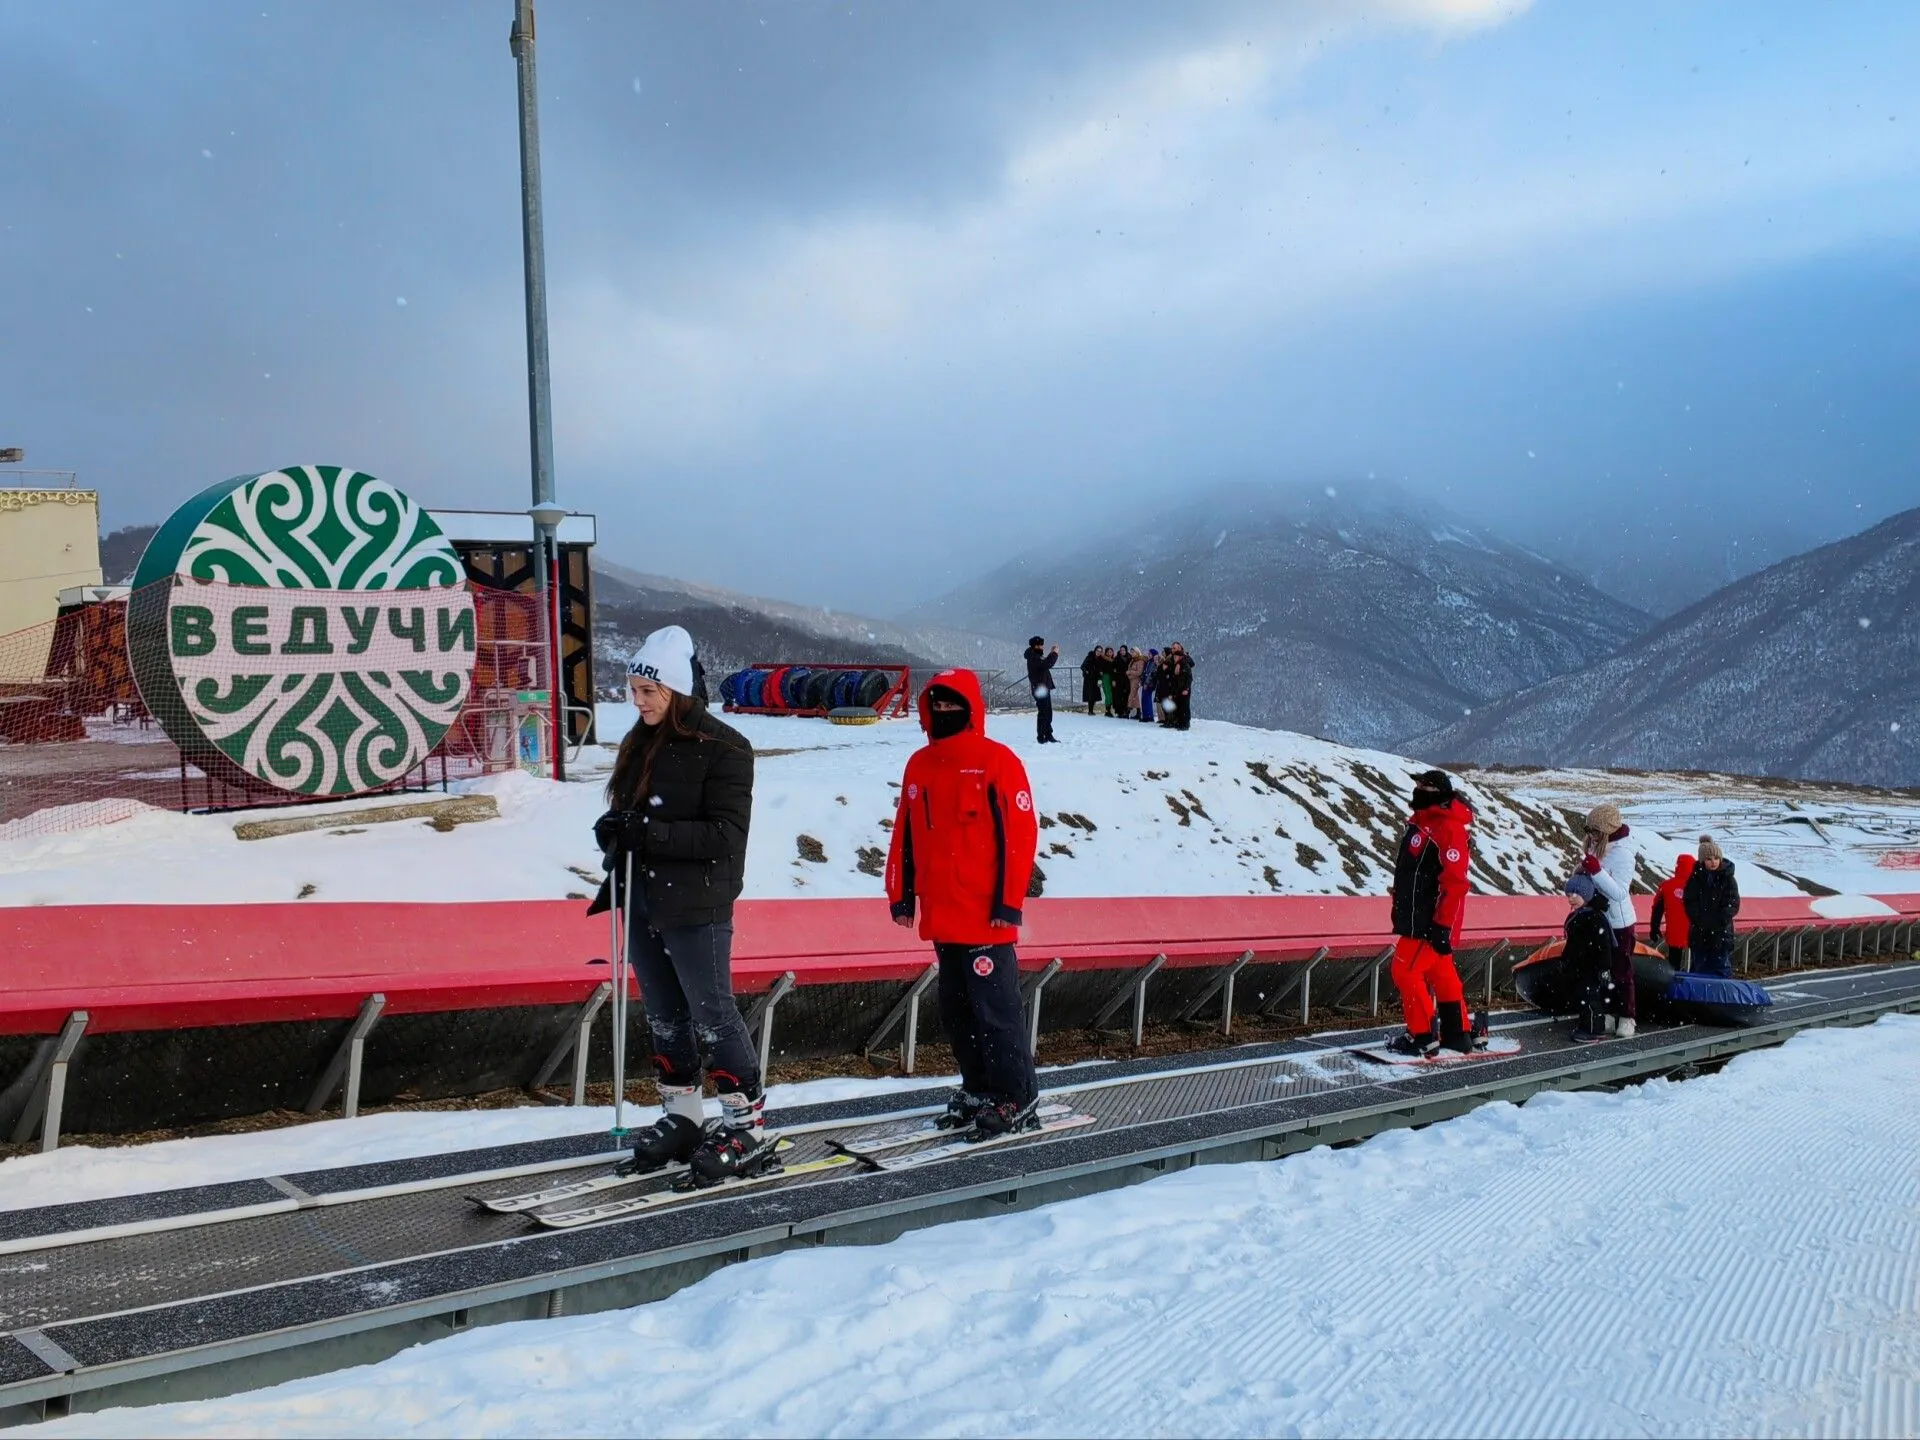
[1804,670]
[1357,613]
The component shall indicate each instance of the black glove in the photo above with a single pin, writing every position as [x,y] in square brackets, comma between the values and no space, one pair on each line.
[621,831]
[1440,937]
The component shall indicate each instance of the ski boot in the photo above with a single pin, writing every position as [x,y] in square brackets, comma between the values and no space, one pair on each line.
[1454,1035]
[731,1153]
[1479,1029]
[963,1107]
[1423,1046]
[670,1140]
[1005,1117]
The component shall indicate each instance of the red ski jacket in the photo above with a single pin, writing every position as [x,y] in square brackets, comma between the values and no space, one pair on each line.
[965,832]
[1669,904]
[1430,874]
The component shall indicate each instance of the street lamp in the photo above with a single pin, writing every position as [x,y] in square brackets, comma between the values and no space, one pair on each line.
[547,516]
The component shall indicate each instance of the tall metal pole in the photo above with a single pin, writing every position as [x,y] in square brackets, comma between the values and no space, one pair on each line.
[539,385]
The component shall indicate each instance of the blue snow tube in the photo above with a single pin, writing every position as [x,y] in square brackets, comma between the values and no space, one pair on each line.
[1717,1000]
[846,690]
[793,693]
[755,689]
[820,687]
[730,688]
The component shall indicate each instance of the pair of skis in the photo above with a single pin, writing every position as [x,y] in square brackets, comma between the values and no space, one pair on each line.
[874,1149]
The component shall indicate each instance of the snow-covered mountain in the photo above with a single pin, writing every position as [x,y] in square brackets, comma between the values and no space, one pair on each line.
[734,630]
[1365,615]
[1808,669]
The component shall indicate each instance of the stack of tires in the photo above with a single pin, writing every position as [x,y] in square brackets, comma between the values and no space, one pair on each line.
[851,693]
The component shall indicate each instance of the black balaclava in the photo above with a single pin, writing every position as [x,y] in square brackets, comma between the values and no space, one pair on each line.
[1430,788]
[945,724]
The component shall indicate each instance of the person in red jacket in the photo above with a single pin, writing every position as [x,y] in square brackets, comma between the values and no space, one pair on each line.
[963,844]
[1429,899]
[1669,904]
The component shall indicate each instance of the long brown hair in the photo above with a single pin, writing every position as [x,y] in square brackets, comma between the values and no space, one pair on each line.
[633,766]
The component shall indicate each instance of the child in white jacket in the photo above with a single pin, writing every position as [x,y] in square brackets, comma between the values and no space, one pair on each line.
[1611,853]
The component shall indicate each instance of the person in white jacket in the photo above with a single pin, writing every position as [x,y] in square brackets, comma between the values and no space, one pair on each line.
[1611,853]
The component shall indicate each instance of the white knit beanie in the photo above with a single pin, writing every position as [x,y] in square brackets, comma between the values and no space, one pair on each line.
[666,658]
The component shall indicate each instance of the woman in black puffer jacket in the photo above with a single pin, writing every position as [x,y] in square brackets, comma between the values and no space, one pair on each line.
[681,800]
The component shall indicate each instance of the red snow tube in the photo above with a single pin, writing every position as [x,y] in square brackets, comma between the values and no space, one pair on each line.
[773,697]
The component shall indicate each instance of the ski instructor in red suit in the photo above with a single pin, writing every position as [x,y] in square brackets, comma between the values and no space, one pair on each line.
[1429,902]
[963,846]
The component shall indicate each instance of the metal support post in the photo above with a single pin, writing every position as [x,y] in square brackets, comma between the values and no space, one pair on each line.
[760,1018]
[906,1008]
[1135,985]
[1373,997]
[1226,997]
[574,1041]
[1493,958]
[620,938]
[1746,953]
[1282,993]
[52,1099]
[1222,980]
[1306,985]
[345,1065]
[1031,991]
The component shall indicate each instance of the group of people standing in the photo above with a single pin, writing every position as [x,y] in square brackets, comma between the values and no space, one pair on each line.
[674,844]
[1698,906]
[964,836]
[1134,684]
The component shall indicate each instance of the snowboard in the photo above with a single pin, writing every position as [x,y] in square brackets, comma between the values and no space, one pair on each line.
[1497,1047]
[868,1143]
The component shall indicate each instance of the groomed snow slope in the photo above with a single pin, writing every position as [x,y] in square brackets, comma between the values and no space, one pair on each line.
[1734,1255]
[1127,809]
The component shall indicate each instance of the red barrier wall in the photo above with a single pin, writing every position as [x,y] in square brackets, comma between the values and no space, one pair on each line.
[144,967]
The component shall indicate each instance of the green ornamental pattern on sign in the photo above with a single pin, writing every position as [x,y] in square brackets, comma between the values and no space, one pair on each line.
[308,627]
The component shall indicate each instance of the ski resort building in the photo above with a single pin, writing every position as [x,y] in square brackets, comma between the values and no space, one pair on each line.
[49,542]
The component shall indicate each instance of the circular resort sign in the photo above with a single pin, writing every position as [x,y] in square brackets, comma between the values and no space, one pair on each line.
[309,628]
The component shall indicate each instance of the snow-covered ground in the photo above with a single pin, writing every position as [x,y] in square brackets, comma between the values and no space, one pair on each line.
[1128,809]
[1733,1255]
[1855,841]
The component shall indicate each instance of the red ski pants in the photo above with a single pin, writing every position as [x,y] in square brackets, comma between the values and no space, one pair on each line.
[1418,969]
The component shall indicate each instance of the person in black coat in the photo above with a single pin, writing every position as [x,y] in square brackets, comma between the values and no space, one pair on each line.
[680,803]
[1040,665]
[1176,686]
[1712,899]
[1091,669]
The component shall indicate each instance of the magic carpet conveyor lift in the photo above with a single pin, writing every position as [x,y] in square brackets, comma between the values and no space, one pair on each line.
[187,1293]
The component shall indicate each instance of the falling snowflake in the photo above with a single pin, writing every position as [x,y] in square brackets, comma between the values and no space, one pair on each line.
[1865,623]
[1895,727]
[206,154]
[1531,455]
[1330,490]
[636,84]
[401,301]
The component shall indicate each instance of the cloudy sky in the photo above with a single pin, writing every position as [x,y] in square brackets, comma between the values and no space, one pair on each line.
[851,301]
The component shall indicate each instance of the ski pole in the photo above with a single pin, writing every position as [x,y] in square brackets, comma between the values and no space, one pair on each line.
[625,911]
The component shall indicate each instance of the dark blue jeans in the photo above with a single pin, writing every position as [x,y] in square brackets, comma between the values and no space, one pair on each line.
[686,984]
[985,1022]
[1713,957]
